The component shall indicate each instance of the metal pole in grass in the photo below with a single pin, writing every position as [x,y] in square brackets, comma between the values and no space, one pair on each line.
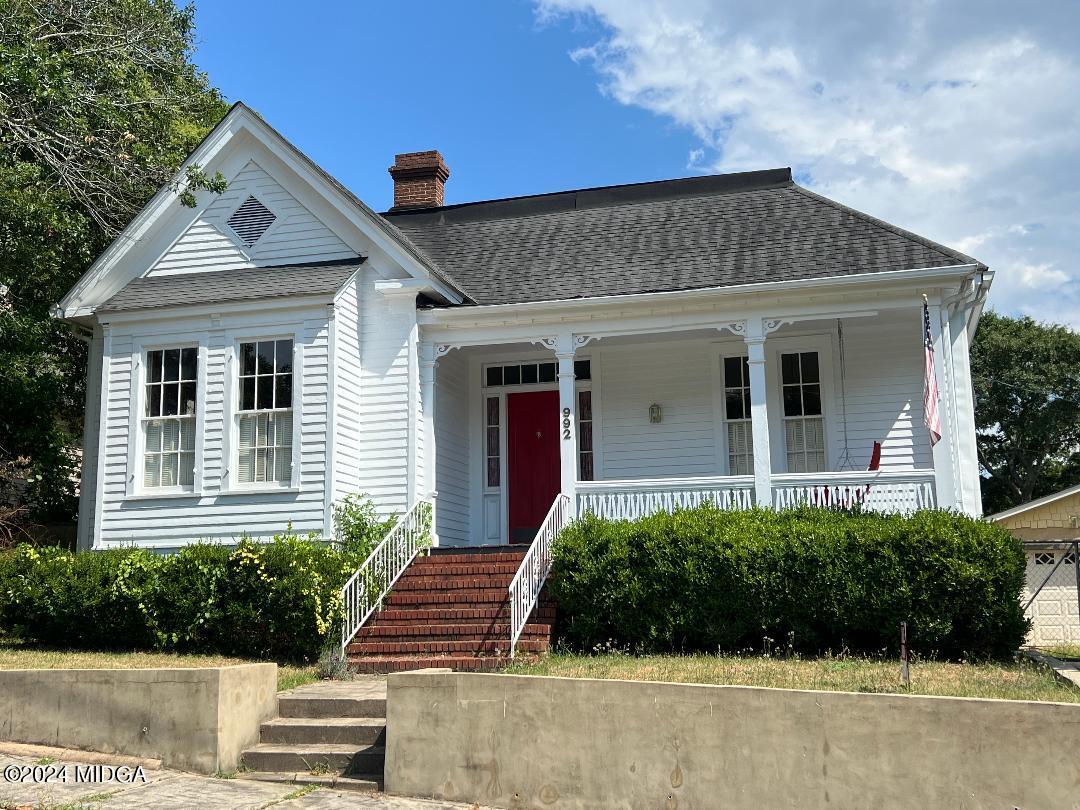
[905,673]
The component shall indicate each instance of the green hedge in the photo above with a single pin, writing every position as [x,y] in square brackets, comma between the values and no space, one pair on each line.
[810,580]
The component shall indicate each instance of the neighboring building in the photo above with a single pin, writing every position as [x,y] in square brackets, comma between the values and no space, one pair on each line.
[1049,527]
[735,338]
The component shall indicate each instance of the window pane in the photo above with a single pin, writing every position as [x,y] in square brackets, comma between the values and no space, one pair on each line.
[187,435]
[247,393]
[189,364]
[511,375]
[282,466]
[187,469]
[247,432]
[585,436]
[153,366]
[265,397]
[547,372]
[170,398]
[260,464]
[283,390]
[746,402]
[494,375]
[585,405]
[247,358]
[153,437]
[153,400]
[260,429]
[809,367]
[493,410]
[172,365]
[265,357]
[733,372]
[792,401]
[734,404]
[586,472]
[187,398]
[283,429]
[583,369]
[283,357]
[170,470]
[152,470]
[812,400]
[789,365]
[493,472]
[246,466]
[528,374]
[493,441]
[170,436]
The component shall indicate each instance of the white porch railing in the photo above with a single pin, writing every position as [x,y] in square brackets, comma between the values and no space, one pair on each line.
[366,588]
[902,491]
[629,500]
[534,568]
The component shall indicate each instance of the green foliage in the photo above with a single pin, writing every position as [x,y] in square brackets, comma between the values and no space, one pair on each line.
[276,600]
[810,580]
[100,103]
[1027,408]
[357,526]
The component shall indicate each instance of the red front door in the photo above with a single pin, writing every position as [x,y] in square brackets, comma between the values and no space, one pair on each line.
[532,458]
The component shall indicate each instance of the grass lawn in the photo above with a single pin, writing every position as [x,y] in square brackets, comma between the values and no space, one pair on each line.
[1066,652]
[16,655]
[1024,680]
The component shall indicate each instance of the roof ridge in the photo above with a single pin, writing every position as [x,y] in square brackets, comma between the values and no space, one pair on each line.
[888,226]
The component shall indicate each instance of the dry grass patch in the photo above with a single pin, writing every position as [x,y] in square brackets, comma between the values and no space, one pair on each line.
[1023,680]
[16,655]
[1066,652]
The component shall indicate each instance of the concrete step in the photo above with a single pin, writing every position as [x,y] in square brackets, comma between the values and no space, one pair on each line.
[313,758]
[483,647]
[324,707]
[383,664]
[357,731]
[329,781]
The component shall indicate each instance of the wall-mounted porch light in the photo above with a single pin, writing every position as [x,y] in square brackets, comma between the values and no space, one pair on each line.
[655,414]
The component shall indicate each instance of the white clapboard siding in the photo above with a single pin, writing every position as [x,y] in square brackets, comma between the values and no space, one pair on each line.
[884,384]
[215,513]
[348,431]
[451,441]
[296,234]
[386,379]
[91,434]
[678,377]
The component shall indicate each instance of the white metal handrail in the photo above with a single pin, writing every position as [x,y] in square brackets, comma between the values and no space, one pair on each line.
[900,491]
[632,499]
[534,568]
[363,593]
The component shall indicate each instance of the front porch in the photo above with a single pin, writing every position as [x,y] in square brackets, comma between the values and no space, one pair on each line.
[779,412]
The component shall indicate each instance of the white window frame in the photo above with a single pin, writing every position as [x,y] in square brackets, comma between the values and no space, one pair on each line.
[723,444]
[135,485]
[822,343]
[231,482]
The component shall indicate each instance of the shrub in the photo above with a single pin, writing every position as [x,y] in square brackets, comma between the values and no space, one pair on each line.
[357,527]
[276,600]
[814,579]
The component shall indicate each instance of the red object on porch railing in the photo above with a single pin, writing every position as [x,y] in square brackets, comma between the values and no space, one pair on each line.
[851,496]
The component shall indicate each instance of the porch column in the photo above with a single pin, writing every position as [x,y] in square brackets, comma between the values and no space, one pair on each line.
[427,412]
[564,353]
[759,412]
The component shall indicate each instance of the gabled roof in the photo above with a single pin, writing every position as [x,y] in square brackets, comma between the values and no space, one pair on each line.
[693,233]
[187,289]
[1035,504]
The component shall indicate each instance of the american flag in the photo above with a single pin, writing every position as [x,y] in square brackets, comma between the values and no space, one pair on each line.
[930,395]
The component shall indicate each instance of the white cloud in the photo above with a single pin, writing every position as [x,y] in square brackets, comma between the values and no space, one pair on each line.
[957,120]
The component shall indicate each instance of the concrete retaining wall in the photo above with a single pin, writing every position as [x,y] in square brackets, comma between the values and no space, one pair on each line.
[529,742]
[192,719]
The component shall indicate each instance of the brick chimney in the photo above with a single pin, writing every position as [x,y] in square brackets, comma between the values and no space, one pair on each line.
[419,178]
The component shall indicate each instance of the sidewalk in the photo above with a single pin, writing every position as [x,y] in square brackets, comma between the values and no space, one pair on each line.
[172,790]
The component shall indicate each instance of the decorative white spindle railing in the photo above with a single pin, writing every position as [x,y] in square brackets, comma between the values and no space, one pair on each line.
[366,588]
[902,491]
[629,500]
[530,576]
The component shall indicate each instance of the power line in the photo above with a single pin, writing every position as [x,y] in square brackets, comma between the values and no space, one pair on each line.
[1028,388]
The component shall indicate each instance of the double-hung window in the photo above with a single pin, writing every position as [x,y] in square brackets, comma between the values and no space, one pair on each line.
[265,420]
[169,417]
[804,425]
[740,437]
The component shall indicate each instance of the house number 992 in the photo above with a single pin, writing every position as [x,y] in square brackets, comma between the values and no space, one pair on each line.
[565,423]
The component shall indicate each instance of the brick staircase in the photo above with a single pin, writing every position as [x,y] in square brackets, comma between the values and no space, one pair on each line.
[450,609]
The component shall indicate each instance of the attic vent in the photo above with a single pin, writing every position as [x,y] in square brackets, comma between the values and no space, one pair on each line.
[251,220]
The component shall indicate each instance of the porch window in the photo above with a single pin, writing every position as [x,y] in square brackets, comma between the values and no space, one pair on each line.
[804,425]
[266,413]
[491,441]
[169,418]
[740,438]
[585,436]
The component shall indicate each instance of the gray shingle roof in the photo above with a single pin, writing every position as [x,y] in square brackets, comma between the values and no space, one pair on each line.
[232,285]
[685,234]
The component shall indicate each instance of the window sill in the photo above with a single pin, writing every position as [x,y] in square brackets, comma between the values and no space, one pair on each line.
[160,496]
[259,491]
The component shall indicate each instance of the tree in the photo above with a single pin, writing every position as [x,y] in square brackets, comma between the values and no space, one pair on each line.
[100,103]
[1027,408]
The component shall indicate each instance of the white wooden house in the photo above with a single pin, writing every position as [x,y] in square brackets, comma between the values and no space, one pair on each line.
[735,338]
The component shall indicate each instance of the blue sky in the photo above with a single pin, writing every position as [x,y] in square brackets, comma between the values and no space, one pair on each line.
[958,119]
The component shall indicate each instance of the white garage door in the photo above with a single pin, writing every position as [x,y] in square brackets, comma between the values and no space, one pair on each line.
[1055,614]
